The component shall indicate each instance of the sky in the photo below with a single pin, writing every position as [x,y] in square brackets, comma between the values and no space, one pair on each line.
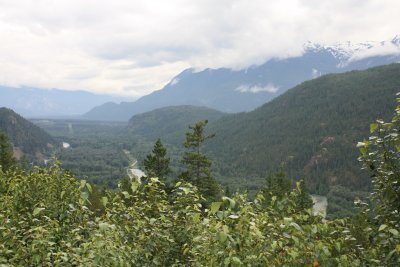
[131,47]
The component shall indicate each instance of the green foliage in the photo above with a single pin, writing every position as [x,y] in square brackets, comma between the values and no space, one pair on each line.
[198,166]
[303,199]
[312,128]
[95,152]
[170,122]
[277,184]
[157,164]
[341,201]
[7,160]
[45,219]
[380,154]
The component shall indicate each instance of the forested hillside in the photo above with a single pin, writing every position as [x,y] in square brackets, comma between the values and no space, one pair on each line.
[170,123]
[313,129]
[95,149]
[49,218]
[28,139]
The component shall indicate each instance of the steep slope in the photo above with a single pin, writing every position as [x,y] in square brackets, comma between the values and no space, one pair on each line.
[35,102]
[243,90]
[26,138]
[312,128]
[170,123]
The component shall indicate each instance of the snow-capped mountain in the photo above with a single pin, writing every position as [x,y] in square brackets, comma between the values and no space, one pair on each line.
[230,90]
[348,51]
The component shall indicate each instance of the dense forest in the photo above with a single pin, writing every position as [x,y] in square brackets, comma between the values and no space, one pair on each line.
[29,141]
[48,217]
[312,130]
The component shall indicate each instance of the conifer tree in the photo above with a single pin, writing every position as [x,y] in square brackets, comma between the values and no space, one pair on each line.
[156,164]
[7,159]
[303,198]
[198,166]
[278,184]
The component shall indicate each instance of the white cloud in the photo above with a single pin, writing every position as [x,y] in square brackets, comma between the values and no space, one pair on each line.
[270,88]
[315,73]
[134,47]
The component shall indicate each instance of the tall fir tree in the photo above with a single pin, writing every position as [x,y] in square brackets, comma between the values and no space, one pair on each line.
[156,164]
[303,198]
[7,159]
[198,166]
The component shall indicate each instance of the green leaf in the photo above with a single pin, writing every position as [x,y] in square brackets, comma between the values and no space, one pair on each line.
[36,211]
[236,261]
[126,194]
[104,201]
[394,232]
[82,185]
[215,207]
[373,127]
[221,236]
[84,195]
[232,202]
[134,185]
[295,225]
[89,187]
[382,227]
[185,190]
[196,217]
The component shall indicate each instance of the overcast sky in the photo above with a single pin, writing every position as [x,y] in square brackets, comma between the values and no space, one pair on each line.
[131,47]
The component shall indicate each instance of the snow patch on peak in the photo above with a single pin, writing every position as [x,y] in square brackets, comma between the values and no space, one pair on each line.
[396,40]
[270,88]
[347,52]
[174,81]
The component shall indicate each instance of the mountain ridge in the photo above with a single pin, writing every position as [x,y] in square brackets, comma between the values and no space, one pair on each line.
[234,91]
[49,103]
[27,139]
[313,129]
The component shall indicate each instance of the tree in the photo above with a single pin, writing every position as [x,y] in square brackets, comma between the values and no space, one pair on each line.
[278,184]
[380,154]
[7,159]
[303,198]
[156,164]
[198,166]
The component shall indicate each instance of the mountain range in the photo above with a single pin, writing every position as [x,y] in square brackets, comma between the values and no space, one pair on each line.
[41,103]
[312,129]
[232,91]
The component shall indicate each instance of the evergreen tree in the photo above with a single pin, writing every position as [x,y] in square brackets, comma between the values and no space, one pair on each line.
[303,198]
[7,159]
[198,166]
[156,164]
[278,184]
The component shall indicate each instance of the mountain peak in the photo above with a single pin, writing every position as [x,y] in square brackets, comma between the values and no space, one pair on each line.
[348,51]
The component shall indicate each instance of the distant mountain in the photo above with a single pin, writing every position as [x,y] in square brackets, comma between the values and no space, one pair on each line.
[35,102]
[313,129]
[27,139]
[243,90]
[170,123]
